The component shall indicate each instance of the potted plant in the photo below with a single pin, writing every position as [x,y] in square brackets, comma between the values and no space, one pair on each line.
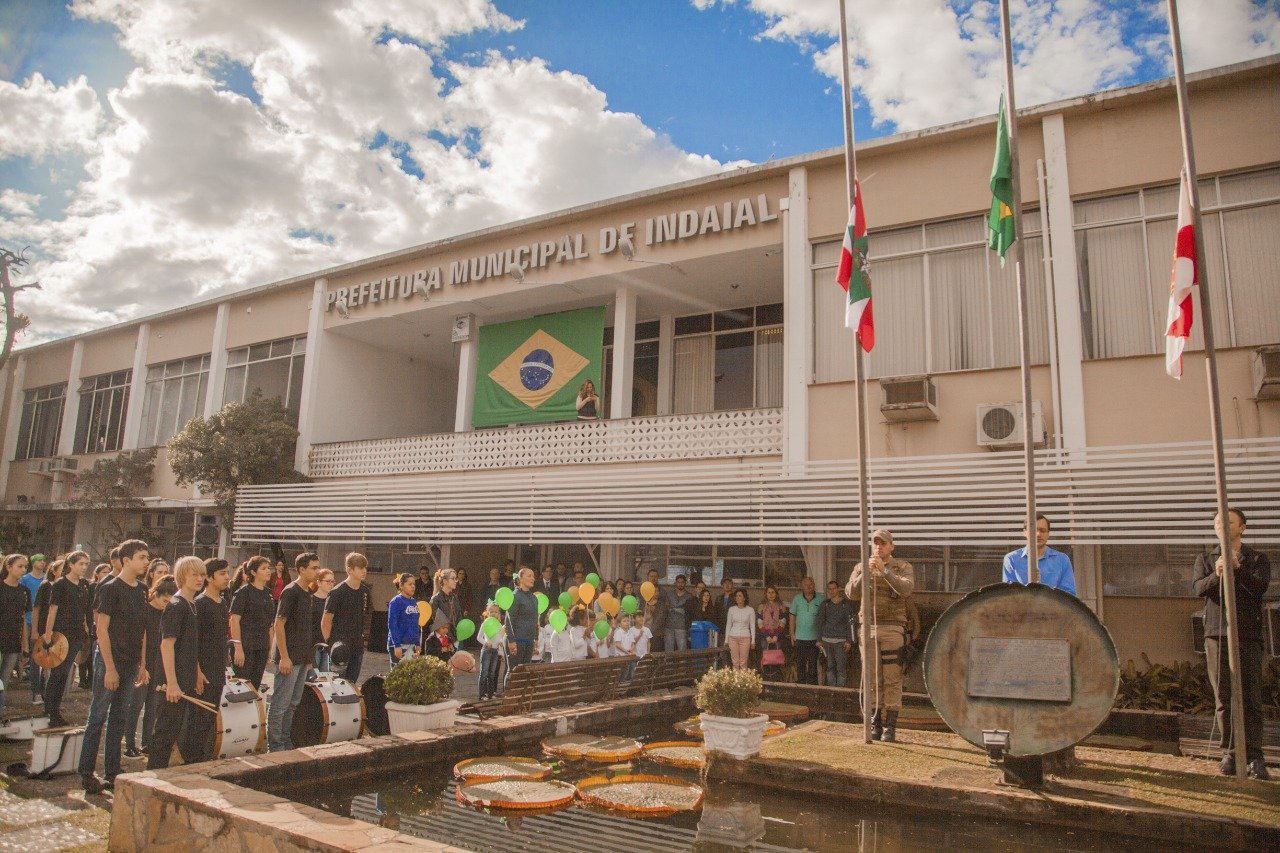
[418,692]
[728,699]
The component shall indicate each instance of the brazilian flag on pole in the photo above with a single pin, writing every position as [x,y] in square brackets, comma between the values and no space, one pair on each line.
[530,371]
[1000,219]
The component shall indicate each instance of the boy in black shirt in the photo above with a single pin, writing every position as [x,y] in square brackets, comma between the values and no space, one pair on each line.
[119,663]
[294,645]
[179,650]
[344,614]
[68,614]
[212,610]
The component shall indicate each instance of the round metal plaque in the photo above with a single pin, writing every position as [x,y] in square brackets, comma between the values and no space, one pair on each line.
[1030,660]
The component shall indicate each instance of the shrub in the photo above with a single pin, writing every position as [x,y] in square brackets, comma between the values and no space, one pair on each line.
[422,680]
[729,692]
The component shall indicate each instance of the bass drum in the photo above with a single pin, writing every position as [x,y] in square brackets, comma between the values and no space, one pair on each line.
[374,693]
[330,711]
[242,721]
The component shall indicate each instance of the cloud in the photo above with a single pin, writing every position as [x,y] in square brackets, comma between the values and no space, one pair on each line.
[919,63]
[41,119]
[347,134]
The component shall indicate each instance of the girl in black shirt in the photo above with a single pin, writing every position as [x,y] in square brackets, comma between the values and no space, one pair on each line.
[145,696]
[253,611]
[15,603]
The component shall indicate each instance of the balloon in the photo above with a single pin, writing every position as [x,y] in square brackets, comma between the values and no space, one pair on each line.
[543,601]
[609,604]
[424,614]
[504,598]
[573,593]
[558,619]
[466,630]
[629,604]
[566,599]
[586,592]
[490,626]
[601,629]
[648,591]
[594,580]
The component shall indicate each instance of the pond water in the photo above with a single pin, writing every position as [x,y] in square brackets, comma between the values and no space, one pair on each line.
[732,817]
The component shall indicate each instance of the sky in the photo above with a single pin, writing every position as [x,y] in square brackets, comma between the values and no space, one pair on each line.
[154,153]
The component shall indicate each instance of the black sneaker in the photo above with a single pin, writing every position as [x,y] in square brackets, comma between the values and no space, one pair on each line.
[1228,765]
[109,784]
[132,752]
[58,722]
[1258,770]
[93,784]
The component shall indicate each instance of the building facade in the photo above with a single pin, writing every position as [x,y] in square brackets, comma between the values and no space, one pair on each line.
[726,440]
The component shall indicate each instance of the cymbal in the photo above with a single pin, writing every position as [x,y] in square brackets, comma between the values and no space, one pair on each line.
[51,655]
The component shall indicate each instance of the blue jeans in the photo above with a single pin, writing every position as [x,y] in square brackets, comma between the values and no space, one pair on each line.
[109,708]
[36,677]
[285,697]
[837,662]
[676,638]
[490,664]
[8,661]
[355,660]
[523,654]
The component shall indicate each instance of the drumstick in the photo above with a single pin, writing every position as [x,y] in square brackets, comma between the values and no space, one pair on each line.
[211,708]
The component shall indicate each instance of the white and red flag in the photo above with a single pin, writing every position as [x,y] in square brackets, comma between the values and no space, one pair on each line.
[1185,276]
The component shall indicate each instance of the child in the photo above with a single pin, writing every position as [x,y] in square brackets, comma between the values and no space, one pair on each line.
[643,635]
[404,635]
[596,647]
[624,643]
[492,652]
[546,635]
[578,633]
[439,644]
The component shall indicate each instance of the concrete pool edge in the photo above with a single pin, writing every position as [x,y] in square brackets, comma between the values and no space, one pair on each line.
[221,805]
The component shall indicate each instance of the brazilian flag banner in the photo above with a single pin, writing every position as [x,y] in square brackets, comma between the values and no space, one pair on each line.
[530,370]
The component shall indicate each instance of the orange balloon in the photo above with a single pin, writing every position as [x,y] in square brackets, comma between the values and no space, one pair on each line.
[648,591]
[609,604]
[424,614]
[586,592]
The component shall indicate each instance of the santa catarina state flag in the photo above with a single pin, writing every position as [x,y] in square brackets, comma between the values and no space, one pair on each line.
[853,277]
[529,371]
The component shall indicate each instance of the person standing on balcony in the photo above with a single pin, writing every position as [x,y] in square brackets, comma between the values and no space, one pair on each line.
[588,403]
[1252,576]
[1055,566]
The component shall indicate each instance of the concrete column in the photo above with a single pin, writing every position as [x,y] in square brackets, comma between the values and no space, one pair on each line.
[13,425]
[1087,561]
[137,390]
[1066,279]
[218,361]
[624,352]
[310,377]
[666,362]
[468,363]
[798,313]
[71,406]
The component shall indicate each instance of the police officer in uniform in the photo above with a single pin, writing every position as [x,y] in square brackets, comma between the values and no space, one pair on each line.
[892,583]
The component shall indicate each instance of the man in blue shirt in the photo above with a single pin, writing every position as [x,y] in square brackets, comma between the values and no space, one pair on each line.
[1055,566]
[32,580]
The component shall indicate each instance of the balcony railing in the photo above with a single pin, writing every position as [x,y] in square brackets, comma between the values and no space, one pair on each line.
[710,435]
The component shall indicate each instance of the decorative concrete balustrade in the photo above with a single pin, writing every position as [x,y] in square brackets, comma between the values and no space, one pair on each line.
[709,435]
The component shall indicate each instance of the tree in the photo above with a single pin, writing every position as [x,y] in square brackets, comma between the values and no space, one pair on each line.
[14,320]
[114,487]
[244,444]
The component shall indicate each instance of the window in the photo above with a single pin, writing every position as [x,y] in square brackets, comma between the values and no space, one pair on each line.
[1153,569]
[644,371]
[1124,248]
[41,421]
[752,565]
[729,360]
[100,420]
[942,302]
[942,568]
[175,394]
[274,368]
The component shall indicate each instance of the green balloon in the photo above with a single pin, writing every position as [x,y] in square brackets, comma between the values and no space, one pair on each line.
[491,627]
[466,630]
[601,629]
[558,619]
[566,600]
[594,580]
[629,604]
[543,601]
[504,599]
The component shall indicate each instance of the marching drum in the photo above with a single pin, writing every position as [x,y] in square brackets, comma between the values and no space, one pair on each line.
[330,711]
[242,720]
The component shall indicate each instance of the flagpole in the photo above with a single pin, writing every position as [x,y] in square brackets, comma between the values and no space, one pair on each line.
[1215,407]
[1024,338]
[860,382]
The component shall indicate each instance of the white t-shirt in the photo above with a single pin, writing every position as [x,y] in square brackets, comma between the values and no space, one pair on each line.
[642,641]
[561,645]
[544,641]
[599,648]
[741,622]
[579,637]
[624,640]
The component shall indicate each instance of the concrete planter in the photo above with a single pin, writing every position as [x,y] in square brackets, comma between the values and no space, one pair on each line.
[736,737]
[421,718]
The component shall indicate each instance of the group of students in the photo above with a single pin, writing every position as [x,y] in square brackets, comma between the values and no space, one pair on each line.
[159,639]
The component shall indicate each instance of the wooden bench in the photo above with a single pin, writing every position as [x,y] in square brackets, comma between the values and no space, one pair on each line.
[668,670]
[537,686]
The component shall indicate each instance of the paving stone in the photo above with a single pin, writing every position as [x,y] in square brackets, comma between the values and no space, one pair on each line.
[46,837]
[17,811]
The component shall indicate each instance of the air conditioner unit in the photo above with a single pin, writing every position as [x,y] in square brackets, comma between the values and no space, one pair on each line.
[157,520]
[1266,373]
[66,464]
[40,466]
[1000,425]
[909,398]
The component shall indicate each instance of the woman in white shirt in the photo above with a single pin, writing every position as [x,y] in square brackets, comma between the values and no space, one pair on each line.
[740,629]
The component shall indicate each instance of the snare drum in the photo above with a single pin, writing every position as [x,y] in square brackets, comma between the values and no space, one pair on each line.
[330,711]
[242,720]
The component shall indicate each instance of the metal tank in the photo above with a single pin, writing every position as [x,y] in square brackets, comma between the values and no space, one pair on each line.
[1021,671]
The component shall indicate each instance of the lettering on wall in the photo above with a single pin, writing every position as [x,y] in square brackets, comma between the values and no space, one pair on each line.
[670,227]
